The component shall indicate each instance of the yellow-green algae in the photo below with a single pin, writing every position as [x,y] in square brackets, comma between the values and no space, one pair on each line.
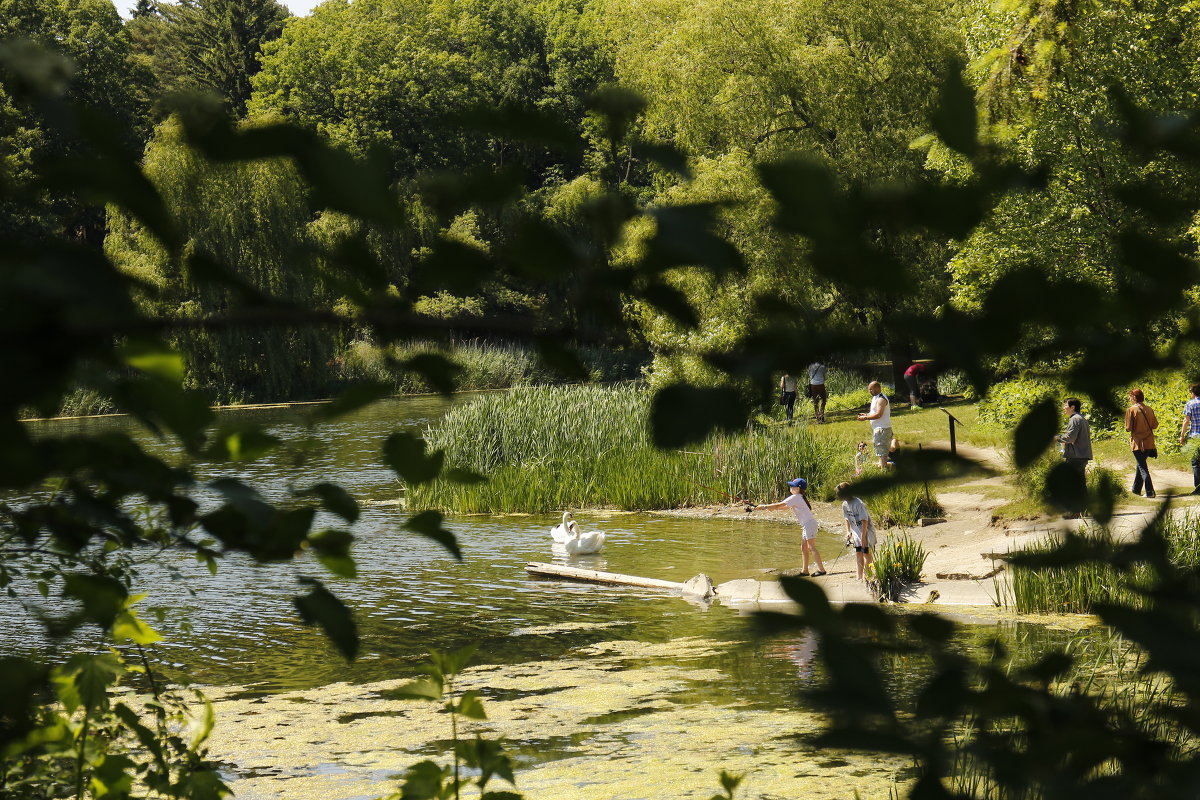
[614,720]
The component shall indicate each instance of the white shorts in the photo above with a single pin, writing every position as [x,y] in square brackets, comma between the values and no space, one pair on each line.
[882,439]
[810,530]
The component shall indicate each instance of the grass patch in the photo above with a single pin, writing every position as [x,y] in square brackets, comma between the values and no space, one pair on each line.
[550,448]
[1078,588]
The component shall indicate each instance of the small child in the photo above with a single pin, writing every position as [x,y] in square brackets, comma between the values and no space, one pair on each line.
[860,458]
[860,530]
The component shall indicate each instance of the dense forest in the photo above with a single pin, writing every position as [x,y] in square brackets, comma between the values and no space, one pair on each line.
[706,92]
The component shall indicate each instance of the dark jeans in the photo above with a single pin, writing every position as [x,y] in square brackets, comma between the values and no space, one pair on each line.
[1196,470]
[1142,475]
[789,400]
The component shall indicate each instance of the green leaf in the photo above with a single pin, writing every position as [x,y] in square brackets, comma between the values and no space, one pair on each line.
[320,607]
[955,119]
[201,783]
[113,777]
[155,359]
[334,499]
[333,551]
[84,680]
[1035,433]
[682,414]
[470,706]
[438,371]
[423,781]
[351,399]
[422,689]
[243,442]
[128,625]
[619,107]
[405,453]
[429,525]
[102,597]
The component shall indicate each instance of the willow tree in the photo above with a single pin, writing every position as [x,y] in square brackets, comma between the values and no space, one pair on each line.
[847,85]
[254,217]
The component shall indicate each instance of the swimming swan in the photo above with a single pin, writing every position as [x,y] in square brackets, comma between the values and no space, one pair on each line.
[580,544]
[560,533]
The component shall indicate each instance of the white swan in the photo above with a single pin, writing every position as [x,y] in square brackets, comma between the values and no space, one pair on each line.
[560,533]
[580,544]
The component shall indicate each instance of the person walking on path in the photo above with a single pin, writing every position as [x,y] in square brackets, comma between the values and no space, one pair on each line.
[797,501]
[817,390]
[860,530]
[1141,422]
[880,417]
[1191,429]
[787,385]
[912,376]
[1076,443]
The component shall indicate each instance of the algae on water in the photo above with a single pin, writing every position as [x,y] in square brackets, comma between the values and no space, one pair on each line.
[618,719]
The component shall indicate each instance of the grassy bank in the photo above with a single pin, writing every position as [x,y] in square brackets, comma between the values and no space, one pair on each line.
[552,448]
[1078,588]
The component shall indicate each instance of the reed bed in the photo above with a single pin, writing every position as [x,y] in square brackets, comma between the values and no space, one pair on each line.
[482,364]
[1076,589]
[548,448]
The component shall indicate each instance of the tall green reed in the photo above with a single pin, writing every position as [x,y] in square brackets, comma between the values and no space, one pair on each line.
[1076,589]
[548,448]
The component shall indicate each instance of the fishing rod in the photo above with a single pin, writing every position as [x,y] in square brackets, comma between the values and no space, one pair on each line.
[738,500]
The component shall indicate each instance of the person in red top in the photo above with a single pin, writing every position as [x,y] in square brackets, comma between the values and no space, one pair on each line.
[912,376]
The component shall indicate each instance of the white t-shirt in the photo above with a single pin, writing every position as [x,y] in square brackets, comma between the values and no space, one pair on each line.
[816,373]
[789,383]
[799,507]
[885,419]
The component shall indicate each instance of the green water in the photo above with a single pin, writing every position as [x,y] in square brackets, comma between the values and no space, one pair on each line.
[602,692]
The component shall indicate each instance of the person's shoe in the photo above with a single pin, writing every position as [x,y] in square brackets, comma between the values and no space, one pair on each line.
[1151,494]
[1072,515]
[802,574]
[918,407]
[818,573]
[1138,494]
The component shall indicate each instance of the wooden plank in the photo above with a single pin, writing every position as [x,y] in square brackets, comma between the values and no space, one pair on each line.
[596,576]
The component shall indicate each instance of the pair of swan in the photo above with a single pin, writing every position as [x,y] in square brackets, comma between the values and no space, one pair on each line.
[567,534]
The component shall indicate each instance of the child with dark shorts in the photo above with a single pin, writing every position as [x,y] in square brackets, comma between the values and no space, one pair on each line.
[860,530]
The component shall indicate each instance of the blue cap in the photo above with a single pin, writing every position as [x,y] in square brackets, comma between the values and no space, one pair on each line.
[799,483]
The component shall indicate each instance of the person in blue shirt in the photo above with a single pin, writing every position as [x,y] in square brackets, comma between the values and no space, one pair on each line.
[1191,429]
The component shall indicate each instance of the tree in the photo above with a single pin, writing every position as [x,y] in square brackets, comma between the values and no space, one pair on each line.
[848,85]
[215,46]
[98,69]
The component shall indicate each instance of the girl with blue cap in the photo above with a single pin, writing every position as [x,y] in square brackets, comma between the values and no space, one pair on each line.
[797,501]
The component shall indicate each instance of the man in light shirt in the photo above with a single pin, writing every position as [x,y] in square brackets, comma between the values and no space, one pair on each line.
[816,389]
[880,417]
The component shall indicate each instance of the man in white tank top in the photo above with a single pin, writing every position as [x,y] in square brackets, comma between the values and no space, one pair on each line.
[880,417]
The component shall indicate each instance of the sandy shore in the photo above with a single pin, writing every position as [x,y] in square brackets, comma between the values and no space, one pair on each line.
[964,565]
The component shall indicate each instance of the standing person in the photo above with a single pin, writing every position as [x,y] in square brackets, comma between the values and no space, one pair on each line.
[1191,429]
[787,384]
[797,501]
[1076,443]
[880,417]
[860,530]
[912,376]
[817,390]
[1141,422]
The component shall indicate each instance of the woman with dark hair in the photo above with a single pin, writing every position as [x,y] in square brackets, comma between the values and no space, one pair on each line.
[1141,422]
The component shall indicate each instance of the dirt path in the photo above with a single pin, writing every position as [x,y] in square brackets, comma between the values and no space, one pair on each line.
[963,566]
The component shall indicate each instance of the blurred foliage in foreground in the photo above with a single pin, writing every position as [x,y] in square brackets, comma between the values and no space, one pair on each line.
[70,319]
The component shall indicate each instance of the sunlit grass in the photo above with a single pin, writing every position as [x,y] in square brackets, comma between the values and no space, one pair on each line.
[550,448]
